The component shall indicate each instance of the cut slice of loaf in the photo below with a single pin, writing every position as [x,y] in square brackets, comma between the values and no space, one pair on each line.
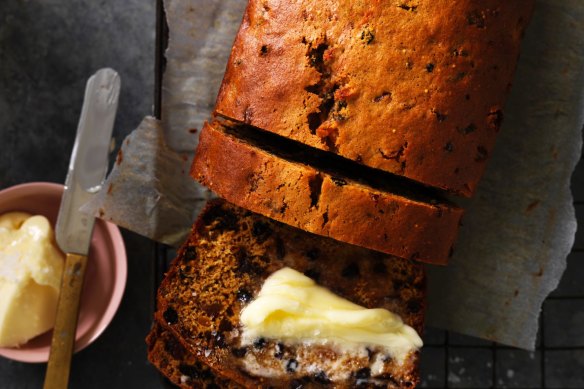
[178,365]
[416,88]
[324,194]
[223,265]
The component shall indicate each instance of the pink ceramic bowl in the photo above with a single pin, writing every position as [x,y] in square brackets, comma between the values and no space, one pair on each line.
[105,278]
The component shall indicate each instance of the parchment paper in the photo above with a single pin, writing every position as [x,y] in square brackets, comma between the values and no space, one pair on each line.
[518,229]
[150,191]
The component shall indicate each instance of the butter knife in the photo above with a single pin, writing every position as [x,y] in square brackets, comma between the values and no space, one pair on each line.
[87,170]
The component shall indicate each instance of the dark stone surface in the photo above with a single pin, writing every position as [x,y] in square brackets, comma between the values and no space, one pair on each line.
[564,323]
[518,369]
[432,364]
[48,49]
[470,368]
[572,283]
[565,369]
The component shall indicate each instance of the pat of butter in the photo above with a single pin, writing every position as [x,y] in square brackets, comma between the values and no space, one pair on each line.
[30,275]
[293,308]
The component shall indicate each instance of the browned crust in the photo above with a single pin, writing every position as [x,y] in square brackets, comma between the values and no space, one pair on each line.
[285,191]
[199,301]
[416,87]
[177,364]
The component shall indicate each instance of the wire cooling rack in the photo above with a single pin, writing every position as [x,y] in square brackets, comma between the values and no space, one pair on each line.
[451,360]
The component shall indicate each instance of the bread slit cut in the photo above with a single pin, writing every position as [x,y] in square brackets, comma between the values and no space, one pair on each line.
[325,194]
[334,165]
[221,268]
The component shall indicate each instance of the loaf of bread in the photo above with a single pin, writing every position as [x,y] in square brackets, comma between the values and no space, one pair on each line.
[219,271]
[412,87]
[294,184]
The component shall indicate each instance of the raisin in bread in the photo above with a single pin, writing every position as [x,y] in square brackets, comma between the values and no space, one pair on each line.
[178,365]
[294,184]
[412,87]
[221,268]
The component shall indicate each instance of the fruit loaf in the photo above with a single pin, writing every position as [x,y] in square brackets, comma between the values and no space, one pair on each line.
[224,263]
[295,184]
[178,365]
[412,87]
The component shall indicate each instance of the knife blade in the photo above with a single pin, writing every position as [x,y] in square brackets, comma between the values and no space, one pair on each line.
[73,231]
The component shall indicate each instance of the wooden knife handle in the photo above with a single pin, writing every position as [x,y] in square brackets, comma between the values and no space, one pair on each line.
[63,341]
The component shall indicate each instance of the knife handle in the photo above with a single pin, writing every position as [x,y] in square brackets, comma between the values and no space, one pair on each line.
[63,341]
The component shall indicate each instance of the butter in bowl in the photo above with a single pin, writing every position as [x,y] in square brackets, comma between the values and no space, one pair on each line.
[30,272]
[30,277]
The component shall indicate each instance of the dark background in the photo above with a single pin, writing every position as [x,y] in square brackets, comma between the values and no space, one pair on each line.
[48,48]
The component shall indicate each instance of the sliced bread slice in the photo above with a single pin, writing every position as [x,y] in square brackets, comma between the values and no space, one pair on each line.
[325,194]
[222,267]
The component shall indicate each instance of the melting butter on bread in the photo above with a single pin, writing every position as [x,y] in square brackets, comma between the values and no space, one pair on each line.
[221,269]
